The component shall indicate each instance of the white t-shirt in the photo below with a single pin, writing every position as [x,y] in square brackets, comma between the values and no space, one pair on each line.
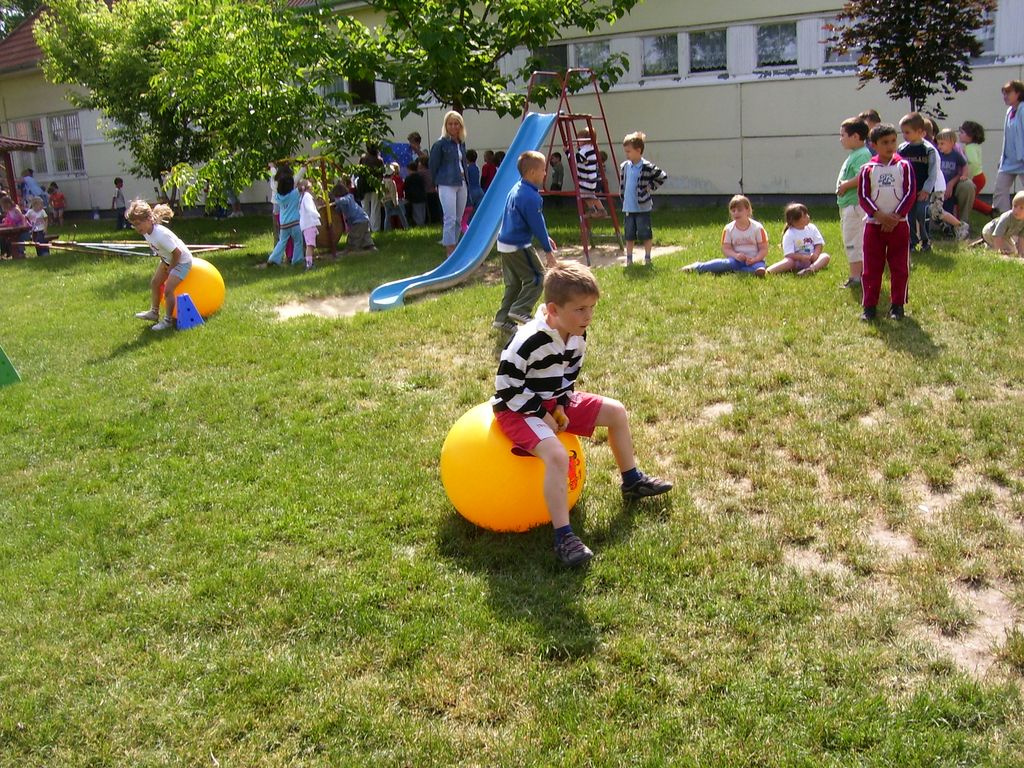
[309,216]
[165,243]
[37,219]
[746,241]
[801,241]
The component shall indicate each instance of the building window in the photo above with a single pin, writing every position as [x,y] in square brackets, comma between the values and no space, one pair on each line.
[986,35]
[66,143]
[776,45]
[661,55]
[708,51]
[30,130]
[553,57]
[592,55]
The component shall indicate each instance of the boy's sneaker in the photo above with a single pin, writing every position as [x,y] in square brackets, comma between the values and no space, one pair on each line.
[926,247]
[963,232]
[163,325]
[571,551]
[896,312]
[869,314]
[804,272]
[521,319]
[851,283]
[759,272]
[149,315]
[646,486]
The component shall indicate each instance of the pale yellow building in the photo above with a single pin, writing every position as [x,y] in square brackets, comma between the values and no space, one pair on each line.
[732,96]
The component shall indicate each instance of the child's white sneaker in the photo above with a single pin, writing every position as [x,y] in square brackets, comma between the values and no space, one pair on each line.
[963,232]
[163,325]
[149,314]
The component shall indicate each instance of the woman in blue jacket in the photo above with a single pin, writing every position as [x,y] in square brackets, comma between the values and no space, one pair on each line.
[448,169]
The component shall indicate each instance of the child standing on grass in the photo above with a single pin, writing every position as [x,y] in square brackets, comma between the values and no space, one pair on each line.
[1006,234]
[309,220]
[853,135]
[523,221]
[802,244]
[924,159]
[175,259]
[972,136]
[535,399]
[288,203]
[638,178]
[357,223]
[58,202]
[117,204]
[887,193]
[744,243]
[36,216]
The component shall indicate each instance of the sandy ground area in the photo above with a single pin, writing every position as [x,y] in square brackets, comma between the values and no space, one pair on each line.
[601,256]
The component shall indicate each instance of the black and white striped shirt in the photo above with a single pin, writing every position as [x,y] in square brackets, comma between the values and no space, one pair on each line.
[586,168]
[537,366]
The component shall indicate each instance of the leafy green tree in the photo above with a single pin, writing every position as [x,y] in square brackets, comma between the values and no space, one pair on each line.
[259,81]
[919,49]
[13,12]
[111,57]
[451,50]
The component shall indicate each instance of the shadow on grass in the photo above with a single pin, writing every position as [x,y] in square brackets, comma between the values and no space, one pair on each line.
[937,260]
[144,339]
[908,336]
[527,584]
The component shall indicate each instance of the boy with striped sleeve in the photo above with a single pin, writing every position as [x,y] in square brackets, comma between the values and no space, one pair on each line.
[535,398]
[887,193]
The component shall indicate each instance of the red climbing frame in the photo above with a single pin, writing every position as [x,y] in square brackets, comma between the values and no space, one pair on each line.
[569,123]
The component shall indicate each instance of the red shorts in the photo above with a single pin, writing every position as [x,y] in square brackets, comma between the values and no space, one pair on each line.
[526,431]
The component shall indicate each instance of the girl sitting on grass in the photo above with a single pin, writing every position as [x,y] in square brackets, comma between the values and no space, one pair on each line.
[175,258]
[744,243]
[801,244]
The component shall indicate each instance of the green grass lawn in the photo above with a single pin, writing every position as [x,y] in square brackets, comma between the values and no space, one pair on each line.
[230,546]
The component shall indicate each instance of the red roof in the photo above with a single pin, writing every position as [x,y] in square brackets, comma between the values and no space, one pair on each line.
[19,50]
[8,144]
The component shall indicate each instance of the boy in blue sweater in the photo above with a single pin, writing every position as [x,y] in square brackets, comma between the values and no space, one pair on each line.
[523,221]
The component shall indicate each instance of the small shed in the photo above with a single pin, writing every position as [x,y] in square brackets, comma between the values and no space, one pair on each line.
[8,145]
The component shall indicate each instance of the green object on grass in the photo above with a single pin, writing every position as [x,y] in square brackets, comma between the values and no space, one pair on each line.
[8,373]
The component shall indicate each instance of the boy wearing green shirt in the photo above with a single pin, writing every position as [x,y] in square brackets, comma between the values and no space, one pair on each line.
[853,133]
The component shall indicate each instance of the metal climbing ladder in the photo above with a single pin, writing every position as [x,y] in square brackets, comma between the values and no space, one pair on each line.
[569,124]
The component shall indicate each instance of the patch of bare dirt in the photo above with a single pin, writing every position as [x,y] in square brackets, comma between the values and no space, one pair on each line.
[714,411]
[894,544]
[975,650]
[489,272]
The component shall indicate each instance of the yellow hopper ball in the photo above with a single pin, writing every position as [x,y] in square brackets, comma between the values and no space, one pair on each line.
[493,486]
[204,285]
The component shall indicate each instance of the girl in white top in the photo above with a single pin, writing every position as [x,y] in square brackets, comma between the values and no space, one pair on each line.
[309,220]
[802,244]
[175,258]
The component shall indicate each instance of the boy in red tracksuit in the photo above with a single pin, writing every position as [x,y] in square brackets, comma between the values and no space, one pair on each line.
[886,191]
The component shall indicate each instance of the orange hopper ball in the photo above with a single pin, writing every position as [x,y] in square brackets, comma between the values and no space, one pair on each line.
[204,285]
[492,485]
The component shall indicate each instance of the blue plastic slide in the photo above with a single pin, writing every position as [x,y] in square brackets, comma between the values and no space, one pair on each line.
[483,227]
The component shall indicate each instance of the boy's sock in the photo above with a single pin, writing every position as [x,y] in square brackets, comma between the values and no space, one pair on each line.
[631,476]
[561,533]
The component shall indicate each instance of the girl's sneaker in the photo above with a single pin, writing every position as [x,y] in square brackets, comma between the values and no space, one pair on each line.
[163,325]
[149,315]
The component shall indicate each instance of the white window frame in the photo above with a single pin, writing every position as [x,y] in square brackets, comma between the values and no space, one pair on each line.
[780,66]
[44,161]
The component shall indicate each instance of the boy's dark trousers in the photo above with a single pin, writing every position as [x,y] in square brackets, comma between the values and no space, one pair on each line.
[881,248]
[122,222]
[524,283]
[919,224]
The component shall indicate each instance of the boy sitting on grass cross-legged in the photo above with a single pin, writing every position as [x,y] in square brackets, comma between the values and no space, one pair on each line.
[535,399]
